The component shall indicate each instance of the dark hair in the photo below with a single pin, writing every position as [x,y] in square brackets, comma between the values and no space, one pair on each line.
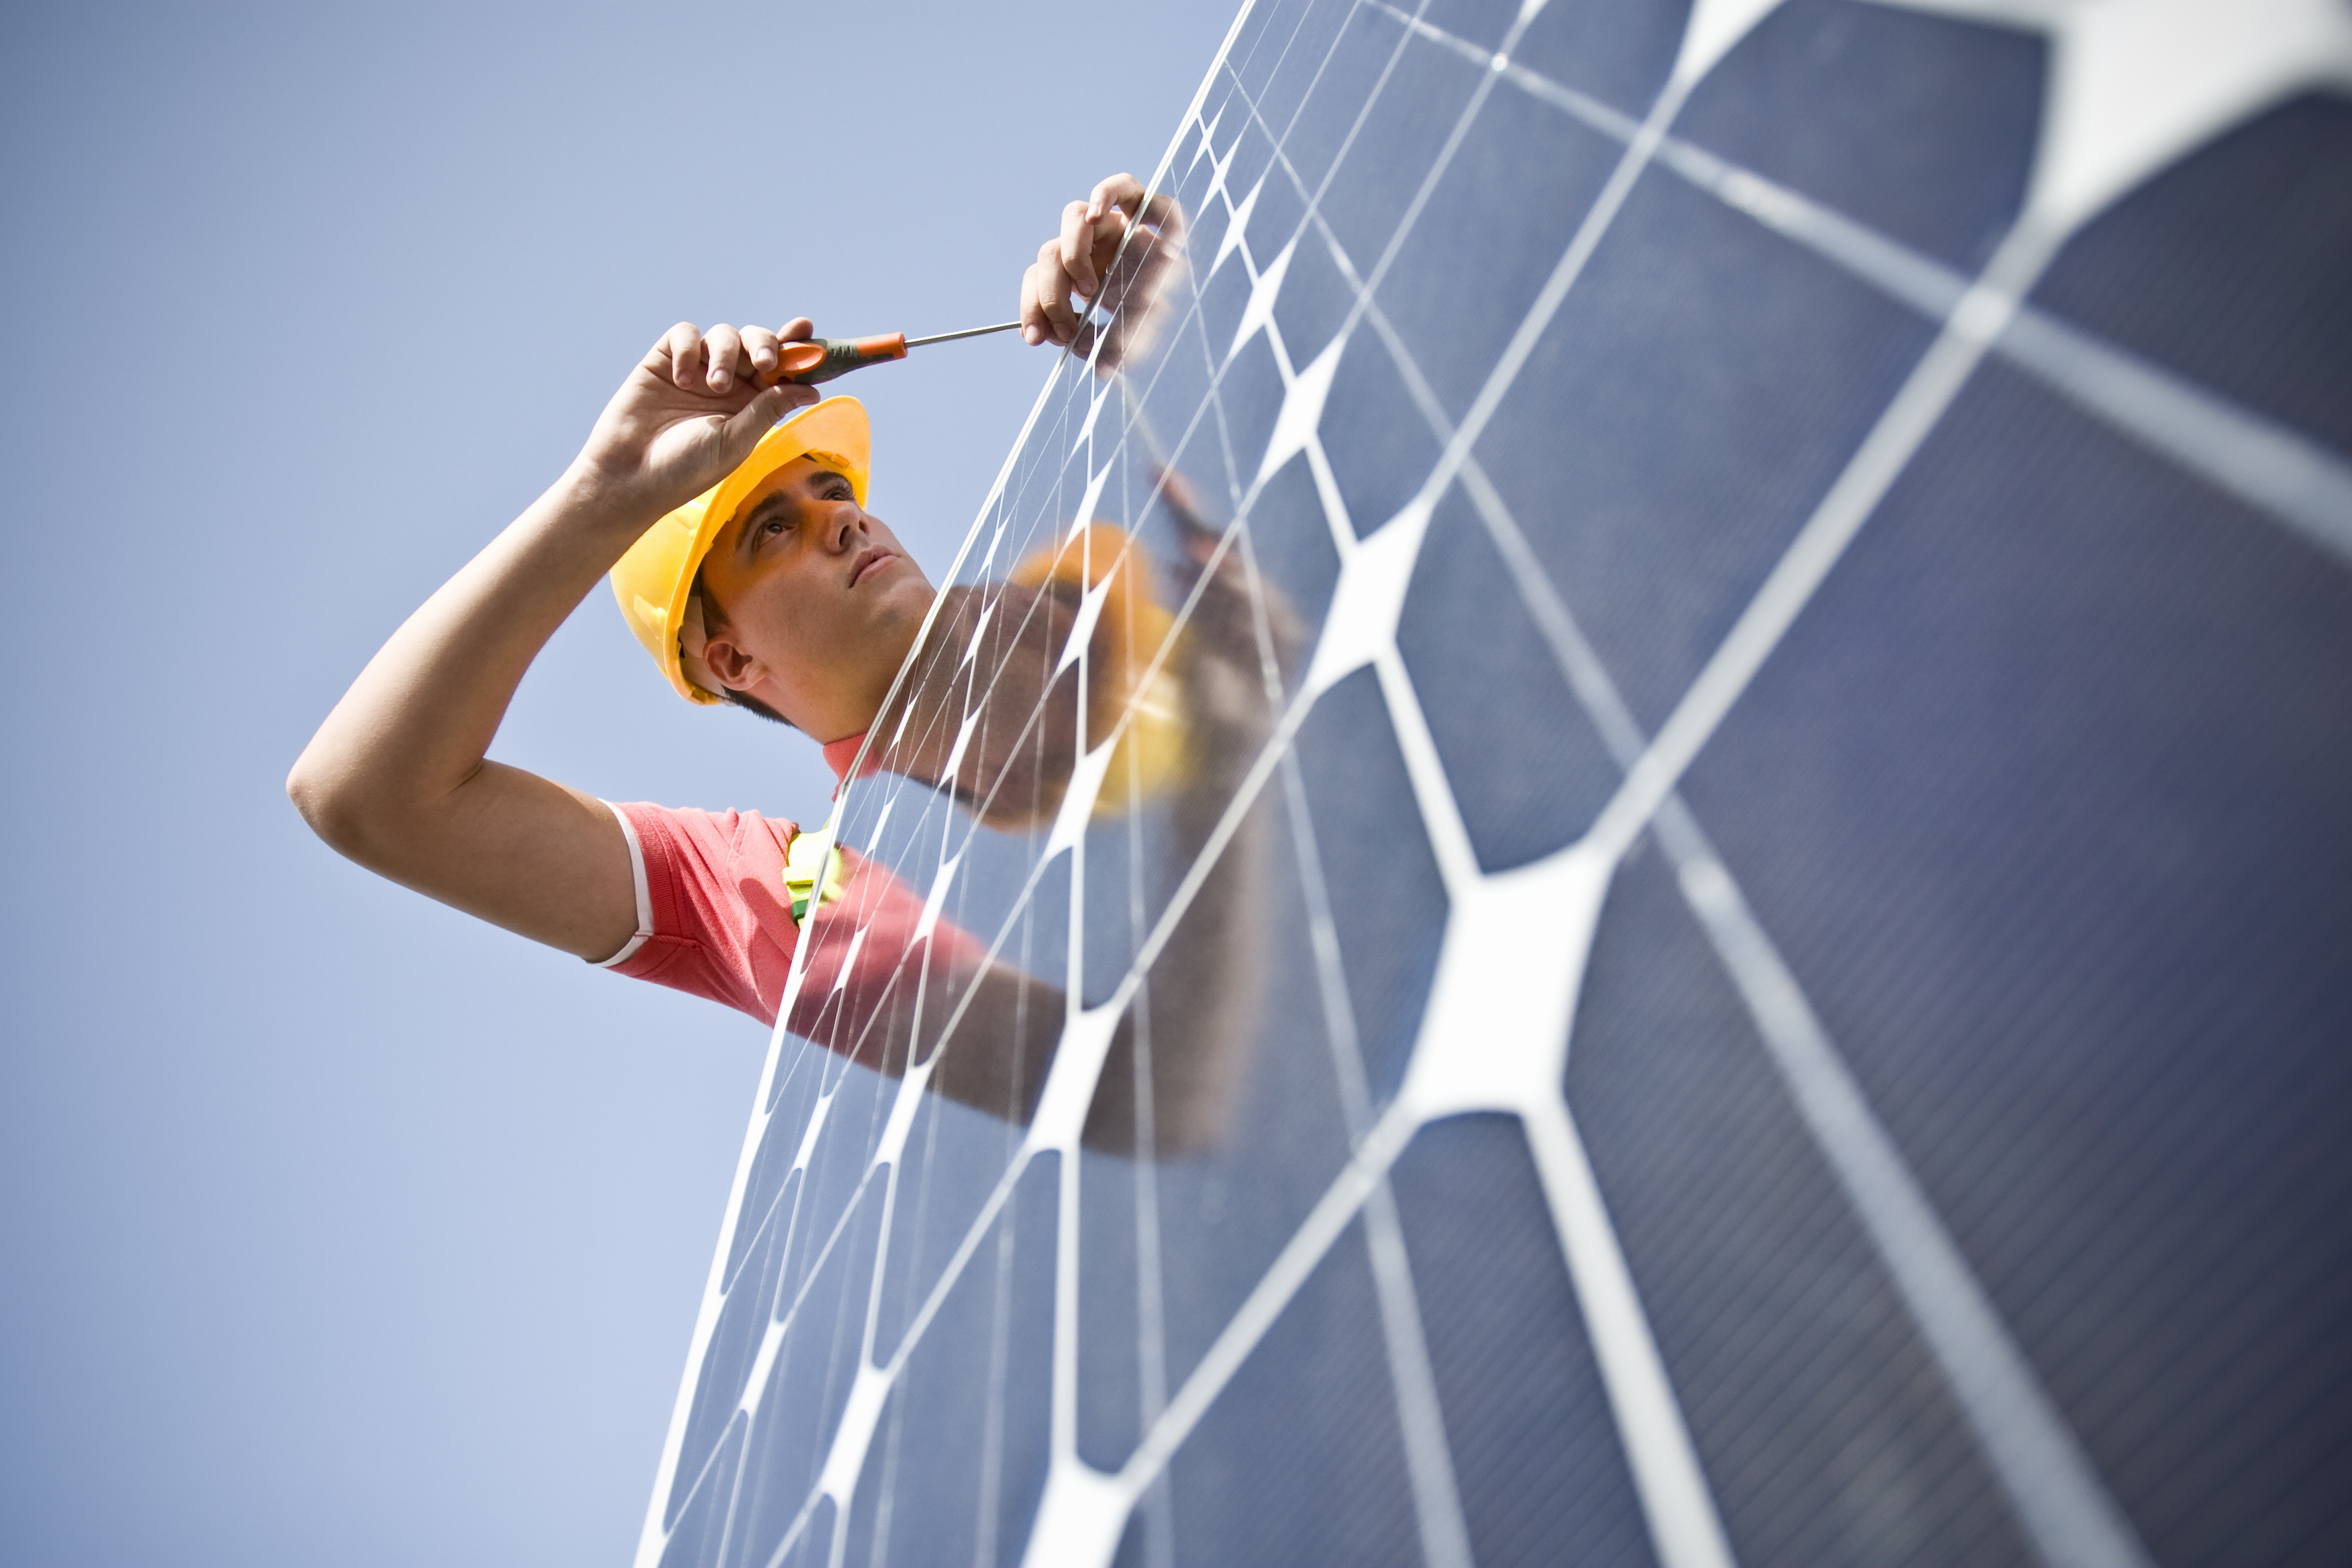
[740,699]
[713,617]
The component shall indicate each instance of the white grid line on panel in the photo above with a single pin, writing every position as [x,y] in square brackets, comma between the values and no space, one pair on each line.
[1373,577]
[1041,865]
[654,1535]
[1672,1493]
[1429,1463]
[1151,1340]
[2301,483]
[1207,858]
[2297,481]
[1422,389]
[1634,811]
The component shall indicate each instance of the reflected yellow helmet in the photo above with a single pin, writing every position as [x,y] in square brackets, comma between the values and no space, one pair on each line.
[654,580]
[1149,756]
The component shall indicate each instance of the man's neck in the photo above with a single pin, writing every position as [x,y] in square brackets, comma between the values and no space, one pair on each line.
[839,754]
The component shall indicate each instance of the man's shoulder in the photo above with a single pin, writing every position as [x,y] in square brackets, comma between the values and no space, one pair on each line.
[729,830]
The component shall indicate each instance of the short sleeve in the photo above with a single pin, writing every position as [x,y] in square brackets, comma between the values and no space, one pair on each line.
[713,886]
[715,920]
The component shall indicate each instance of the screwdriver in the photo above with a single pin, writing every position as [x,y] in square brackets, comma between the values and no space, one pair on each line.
[822,359]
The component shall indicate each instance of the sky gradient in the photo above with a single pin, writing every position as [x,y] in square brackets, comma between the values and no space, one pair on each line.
[340,1228]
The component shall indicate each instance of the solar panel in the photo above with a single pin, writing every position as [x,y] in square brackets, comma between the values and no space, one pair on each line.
[1627,839]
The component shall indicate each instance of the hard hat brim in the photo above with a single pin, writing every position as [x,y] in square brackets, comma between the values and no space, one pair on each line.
[654,581]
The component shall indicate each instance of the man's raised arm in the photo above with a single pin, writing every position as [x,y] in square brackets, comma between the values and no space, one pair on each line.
[397,777]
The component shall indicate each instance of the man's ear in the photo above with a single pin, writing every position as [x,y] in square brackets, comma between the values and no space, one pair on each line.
[729,665]
[712,661]
[693,641]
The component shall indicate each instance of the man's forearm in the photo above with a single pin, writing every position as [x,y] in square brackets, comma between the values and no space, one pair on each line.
[415,725]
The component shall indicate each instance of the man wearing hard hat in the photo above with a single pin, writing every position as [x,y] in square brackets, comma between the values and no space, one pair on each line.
[730,516]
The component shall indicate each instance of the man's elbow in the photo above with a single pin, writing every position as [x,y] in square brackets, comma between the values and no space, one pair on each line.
[329,801]
[312,789]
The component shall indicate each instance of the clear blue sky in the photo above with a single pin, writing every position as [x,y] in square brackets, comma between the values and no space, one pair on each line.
[337,1228]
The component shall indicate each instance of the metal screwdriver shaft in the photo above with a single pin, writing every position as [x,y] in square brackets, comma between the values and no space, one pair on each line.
[967,333]
[822,359]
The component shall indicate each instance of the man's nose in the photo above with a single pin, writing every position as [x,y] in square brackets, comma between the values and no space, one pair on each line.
[844,525]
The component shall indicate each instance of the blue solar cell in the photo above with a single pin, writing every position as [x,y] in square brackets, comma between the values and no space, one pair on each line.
[1378,442]
[1224,295]
[1249,395]
[1297,52]
[1387,899]
[1172,397]
[1315,301]
[1497,221]
[1825,1431]
[1300,1460]
[2045,809]
[808,1385]
[968,1429]
[1350,76]
[1245,147]
[726,1363]
[1689,322]
[2228,267]
[1618,51]
[1227,1207]
[791,1097]
[1530,771]
[1290,542]
[1936,726]
[697,1534]
[1277,205]
[1396,145]
[1921,127]
[954,1158]
[1526,1418]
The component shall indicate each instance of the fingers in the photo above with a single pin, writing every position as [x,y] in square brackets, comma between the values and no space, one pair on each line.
[1077,259]
[1078,250]
[1162,214]
[1048,288]
[1034,327]
[759,349]
[683,343]
[1124,192]
[1108,235]
[715,362]
[763,349]
[722,345]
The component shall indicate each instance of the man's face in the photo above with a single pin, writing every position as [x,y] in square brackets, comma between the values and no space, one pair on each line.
[820,602]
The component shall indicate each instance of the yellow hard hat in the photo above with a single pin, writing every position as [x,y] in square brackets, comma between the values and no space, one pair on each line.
[654,580]
[1132,625]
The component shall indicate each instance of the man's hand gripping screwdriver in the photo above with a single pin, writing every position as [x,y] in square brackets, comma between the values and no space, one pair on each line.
[813,359]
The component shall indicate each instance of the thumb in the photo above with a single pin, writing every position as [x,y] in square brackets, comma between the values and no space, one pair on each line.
[743,432]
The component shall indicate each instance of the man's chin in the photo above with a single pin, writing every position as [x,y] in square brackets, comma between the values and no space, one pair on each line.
[898,616]
[908,599]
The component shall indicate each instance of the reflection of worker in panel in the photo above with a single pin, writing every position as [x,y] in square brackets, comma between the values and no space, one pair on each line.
[743,558]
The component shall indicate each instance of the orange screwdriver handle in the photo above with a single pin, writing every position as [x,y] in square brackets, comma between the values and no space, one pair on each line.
[822,359]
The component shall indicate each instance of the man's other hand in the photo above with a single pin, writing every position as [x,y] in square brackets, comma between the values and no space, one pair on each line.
[692,411]
[1085,261]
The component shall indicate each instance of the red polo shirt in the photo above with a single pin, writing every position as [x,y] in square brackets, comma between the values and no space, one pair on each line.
[714,918]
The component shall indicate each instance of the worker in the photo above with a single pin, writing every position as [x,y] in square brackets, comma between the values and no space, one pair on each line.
[730,509]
